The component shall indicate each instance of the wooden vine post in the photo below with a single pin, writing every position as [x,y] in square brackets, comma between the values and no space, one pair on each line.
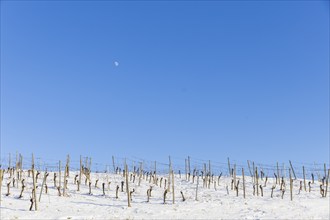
[80,172]
[65,176]
[155,172]
[248,162]
[327,183]
[197,185]
[205,176]
[254,173]
[278,174]
[9,165]
[257,185]
[43,183]
[304,178]
[140,173]
[189,165]
[127,188]
[59,175]
[185,168]
[243,182]
[21,166]
[113,164]
[68,166]
[34,185]
[291,183]
[234,174]
[229,167]
[86,161]
[16,169]
[173,187]
[124,172]
[169,174]
[292,170]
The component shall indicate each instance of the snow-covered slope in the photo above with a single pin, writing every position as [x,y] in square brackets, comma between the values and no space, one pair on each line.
[212,203]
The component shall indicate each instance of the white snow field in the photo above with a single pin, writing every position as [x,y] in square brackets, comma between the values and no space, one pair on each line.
[211,204]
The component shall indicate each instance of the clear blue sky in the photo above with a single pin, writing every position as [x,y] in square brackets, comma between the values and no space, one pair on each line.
[214,79]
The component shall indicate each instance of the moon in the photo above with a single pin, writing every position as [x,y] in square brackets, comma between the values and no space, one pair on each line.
[116,63]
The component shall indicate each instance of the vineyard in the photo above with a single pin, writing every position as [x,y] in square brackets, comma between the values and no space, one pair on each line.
[181,188]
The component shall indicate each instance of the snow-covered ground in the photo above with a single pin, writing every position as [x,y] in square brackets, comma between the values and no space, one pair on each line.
[211,204]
